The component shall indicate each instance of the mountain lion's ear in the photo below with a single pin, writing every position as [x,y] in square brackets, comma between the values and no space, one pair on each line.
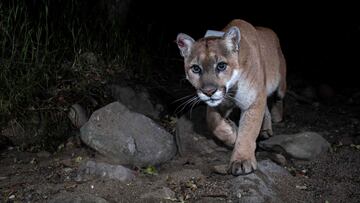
[232,38]
[184,43]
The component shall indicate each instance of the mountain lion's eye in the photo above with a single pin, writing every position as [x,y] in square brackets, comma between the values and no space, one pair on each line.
[221,66]
[196,69]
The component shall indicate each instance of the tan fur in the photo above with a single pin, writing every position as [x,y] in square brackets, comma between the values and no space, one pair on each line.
[261,69]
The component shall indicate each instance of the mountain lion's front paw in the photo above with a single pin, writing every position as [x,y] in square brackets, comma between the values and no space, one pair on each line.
[241,166]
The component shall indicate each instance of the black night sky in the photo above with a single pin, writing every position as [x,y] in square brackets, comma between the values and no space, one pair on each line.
[320,41]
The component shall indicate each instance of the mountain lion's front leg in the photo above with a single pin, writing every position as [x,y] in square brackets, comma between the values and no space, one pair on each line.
[243,159]
[223,128]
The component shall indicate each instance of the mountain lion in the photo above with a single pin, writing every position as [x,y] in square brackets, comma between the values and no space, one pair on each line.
[240,68]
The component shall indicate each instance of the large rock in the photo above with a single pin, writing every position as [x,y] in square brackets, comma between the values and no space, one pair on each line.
[259,186]
[138,101]
[305,145]
[127,137]
[193,136]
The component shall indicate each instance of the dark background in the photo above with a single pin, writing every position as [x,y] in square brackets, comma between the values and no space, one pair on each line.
[320,41]
[136,39]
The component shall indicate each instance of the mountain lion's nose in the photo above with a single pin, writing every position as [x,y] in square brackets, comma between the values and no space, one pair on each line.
[209,90]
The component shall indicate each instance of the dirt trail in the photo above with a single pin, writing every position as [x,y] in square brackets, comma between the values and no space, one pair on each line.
[335,177]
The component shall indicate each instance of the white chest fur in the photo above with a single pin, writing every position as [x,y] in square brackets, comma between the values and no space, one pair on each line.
[245,94]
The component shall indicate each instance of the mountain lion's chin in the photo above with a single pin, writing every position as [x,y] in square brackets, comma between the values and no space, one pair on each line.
[213,103]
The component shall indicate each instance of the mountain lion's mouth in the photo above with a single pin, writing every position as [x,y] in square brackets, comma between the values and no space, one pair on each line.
[213,102]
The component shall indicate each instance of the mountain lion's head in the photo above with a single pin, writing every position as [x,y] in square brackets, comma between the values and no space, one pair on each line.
[211,64]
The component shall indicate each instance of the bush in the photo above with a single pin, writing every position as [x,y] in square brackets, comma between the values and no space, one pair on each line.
[53,58]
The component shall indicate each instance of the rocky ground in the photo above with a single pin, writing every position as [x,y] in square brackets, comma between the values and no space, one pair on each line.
[78,173]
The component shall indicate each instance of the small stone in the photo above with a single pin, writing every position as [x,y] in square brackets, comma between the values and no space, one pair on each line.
[33,161]
[67,162]
[275,157]
[105,170]
[76,140]
[12,197]
[301,187]
[43,154]
[304,146]
[238,195]
[77,115]
[163,193]
[269,167]
[220,169]
[67,170]
[278,158]
[78,178]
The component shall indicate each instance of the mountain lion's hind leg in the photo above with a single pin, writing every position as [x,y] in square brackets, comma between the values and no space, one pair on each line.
[277,107]
[266,128]
[277,111]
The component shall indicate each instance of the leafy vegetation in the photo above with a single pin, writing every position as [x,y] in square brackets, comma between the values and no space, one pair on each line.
[52,57]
